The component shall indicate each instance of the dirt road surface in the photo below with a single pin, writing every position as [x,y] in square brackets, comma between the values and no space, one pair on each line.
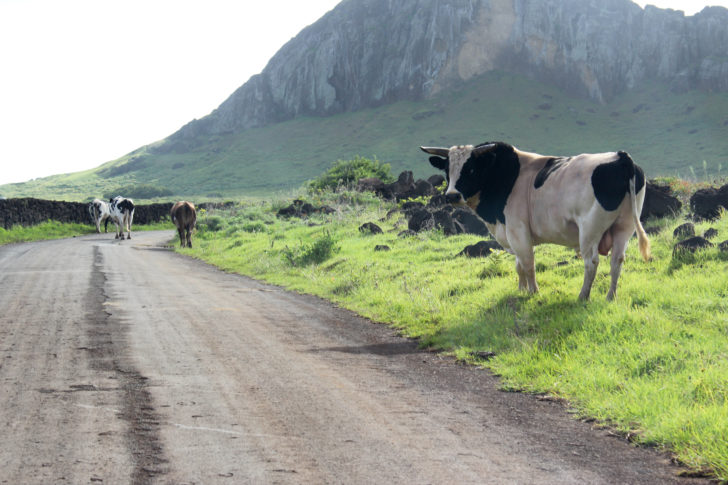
[123,362]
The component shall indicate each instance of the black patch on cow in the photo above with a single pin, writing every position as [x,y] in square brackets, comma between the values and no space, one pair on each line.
[440,163]
[126,206]
[552,165]
[611,181]
[492,175]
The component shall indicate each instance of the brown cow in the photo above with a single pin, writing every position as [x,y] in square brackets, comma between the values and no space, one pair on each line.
[184,217]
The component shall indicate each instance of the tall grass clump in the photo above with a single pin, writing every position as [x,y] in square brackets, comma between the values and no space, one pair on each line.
[315,252]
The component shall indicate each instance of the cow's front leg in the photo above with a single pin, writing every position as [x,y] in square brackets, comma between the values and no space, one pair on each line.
[519,240]
[526,273]
[522,282]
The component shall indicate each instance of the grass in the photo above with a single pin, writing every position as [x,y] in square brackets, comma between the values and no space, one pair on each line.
[653,364]
[673,134]
[59,230]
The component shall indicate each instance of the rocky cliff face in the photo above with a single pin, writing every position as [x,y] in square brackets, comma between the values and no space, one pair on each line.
[366,53]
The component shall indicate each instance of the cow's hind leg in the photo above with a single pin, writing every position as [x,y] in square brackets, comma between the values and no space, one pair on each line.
[189,237]
[621,239]
[127,225]
[591,263]
[589,248]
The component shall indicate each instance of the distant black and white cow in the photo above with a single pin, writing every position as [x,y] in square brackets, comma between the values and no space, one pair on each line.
[183,216]
[99,211]
[591,202]
[122,214]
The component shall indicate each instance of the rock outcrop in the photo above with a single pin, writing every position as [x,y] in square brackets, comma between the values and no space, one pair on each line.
[365,53]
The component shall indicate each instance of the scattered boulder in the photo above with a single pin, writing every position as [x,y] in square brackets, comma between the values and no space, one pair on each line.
[444,220]
[436,180]
[370,184]
[481,249]
[692,244]
[438,213]
[382,247]
[407,233]
[437,201]
[723,247]
[659,202]
[711,233]
[405,184]
[472,224]
[303,209]
[707,203]
[421,220]
[404,188]
[370,228]
[409,207]
[684,230]
[423,188]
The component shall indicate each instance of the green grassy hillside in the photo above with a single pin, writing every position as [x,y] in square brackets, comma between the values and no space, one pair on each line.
[666,133]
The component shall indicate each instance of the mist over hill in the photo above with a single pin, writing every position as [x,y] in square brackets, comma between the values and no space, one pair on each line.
[381,77]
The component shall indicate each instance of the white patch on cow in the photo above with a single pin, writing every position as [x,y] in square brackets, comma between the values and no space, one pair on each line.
[458,156]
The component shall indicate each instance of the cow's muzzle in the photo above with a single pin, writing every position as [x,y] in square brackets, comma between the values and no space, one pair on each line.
[454,198]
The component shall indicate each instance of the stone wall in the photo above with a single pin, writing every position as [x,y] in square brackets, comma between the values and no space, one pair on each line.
[29,211]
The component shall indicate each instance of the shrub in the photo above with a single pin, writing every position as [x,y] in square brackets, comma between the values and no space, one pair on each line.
[346,173]
[211,224]
[314,253]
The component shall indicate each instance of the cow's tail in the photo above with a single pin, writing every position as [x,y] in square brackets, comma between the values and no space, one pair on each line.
[644,242]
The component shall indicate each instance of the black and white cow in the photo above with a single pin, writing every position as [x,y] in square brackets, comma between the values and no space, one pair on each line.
[122,214]
[99,211]
[591,202]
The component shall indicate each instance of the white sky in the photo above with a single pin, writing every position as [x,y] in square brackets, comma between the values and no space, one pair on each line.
[83,82]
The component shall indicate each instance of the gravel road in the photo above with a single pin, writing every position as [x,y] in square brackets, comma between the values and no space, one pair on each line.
[123,362]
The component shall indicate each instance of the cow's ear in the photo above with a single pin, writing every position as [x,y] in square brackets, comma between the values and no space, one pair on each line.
[439,163]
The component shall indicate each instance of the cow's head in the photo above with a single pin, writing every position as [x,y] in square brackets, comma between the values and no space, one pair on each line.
[465,168]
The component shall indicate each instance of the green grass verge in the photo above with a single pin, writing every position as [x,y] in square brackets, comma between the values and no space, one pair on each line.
[45,230]
[653,364]
[59,230]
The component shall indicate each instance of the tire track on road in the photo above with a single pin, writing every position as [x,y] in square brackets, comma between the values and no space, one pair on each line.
[109,352]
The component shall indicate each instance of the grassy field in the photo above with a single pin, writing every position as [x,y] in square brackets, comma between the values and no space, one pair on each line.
[652,365]
[666,133]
